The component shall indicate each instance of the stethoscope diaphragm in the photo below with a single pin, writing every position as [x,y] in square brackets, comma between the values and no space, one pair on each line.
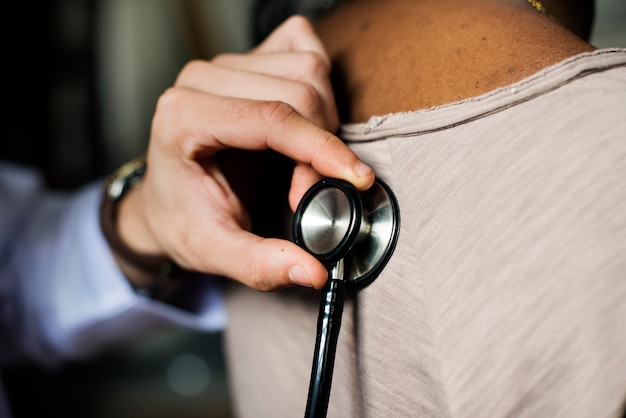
[335,221]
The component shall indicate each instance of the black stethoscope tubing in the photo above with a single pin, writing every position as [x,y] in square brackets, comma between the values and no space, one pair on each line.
[328,326]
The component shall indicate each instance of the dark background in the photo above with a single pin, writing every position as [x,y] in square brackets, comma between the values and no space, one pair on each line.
[53,119]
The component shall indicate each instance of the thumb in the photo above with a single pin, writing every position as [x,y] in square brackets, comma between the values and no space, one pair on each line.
[268,264]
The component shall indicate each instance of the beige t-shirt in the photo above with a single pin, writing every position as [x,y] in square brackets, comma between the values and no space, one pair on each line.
[506,294]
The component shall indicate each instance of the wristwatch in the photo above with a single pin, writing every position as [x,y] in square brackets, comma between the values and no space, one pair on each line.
[143,271]
[127,176]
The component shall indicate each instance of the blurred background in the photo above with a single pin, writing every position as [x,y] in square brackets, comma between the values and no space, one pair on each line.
[81,81]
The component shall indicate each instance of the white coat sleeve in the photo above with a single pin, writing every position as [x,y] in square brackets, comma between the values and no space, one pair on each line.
[61,293]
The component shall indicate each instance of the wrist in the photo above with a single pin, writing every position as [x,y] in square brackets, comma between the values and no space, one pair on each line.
[143,270]
[132,225]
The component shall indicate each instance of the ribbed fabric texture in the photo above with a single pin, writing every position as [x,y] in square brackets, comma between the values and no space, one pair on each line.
[506,294]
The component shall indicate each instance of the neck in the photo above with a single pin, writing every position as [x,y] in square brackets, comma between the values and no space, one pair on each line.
[402,55]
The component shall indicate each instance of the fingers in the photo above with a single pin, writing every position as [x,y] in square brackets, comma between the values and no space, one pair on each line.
[295,34]
[277,97]
[297,65]
[211,123]
[300,67]
[291,66]
[299,80]
[198,224]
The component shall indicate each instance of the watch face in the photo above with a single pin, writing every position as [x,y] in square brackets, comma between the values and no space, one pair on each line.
[115,188]
[125,177]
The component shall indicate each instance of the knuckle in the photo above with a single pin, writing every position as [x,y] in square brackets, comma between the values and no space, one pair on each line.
[188,68]
[313,65]
[307,99]
[192,70]
[170,98]
[168,117]
[260,281]
[222,59]
[327,140]
[195,65]
[276,112]
[169,103]
[325,145]
[298,23]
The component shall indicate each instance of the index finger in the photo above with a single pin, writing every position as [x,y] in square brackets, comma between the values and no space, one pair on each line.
[214,123]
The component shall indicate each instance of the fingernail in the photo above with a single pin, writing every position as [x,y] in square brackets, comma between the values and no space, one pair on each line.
[298,275]
[362,169]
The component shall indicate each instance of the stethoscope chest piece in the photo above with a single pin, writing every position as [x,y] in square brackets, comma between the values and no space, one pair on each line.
[335,221]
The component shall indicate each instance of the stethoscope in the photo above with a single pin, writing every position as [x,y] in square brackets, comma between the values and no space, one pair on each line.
[354,234]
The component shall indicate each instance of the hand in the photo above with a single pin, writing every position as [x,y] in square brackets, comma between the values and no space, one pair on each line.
[276,97]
